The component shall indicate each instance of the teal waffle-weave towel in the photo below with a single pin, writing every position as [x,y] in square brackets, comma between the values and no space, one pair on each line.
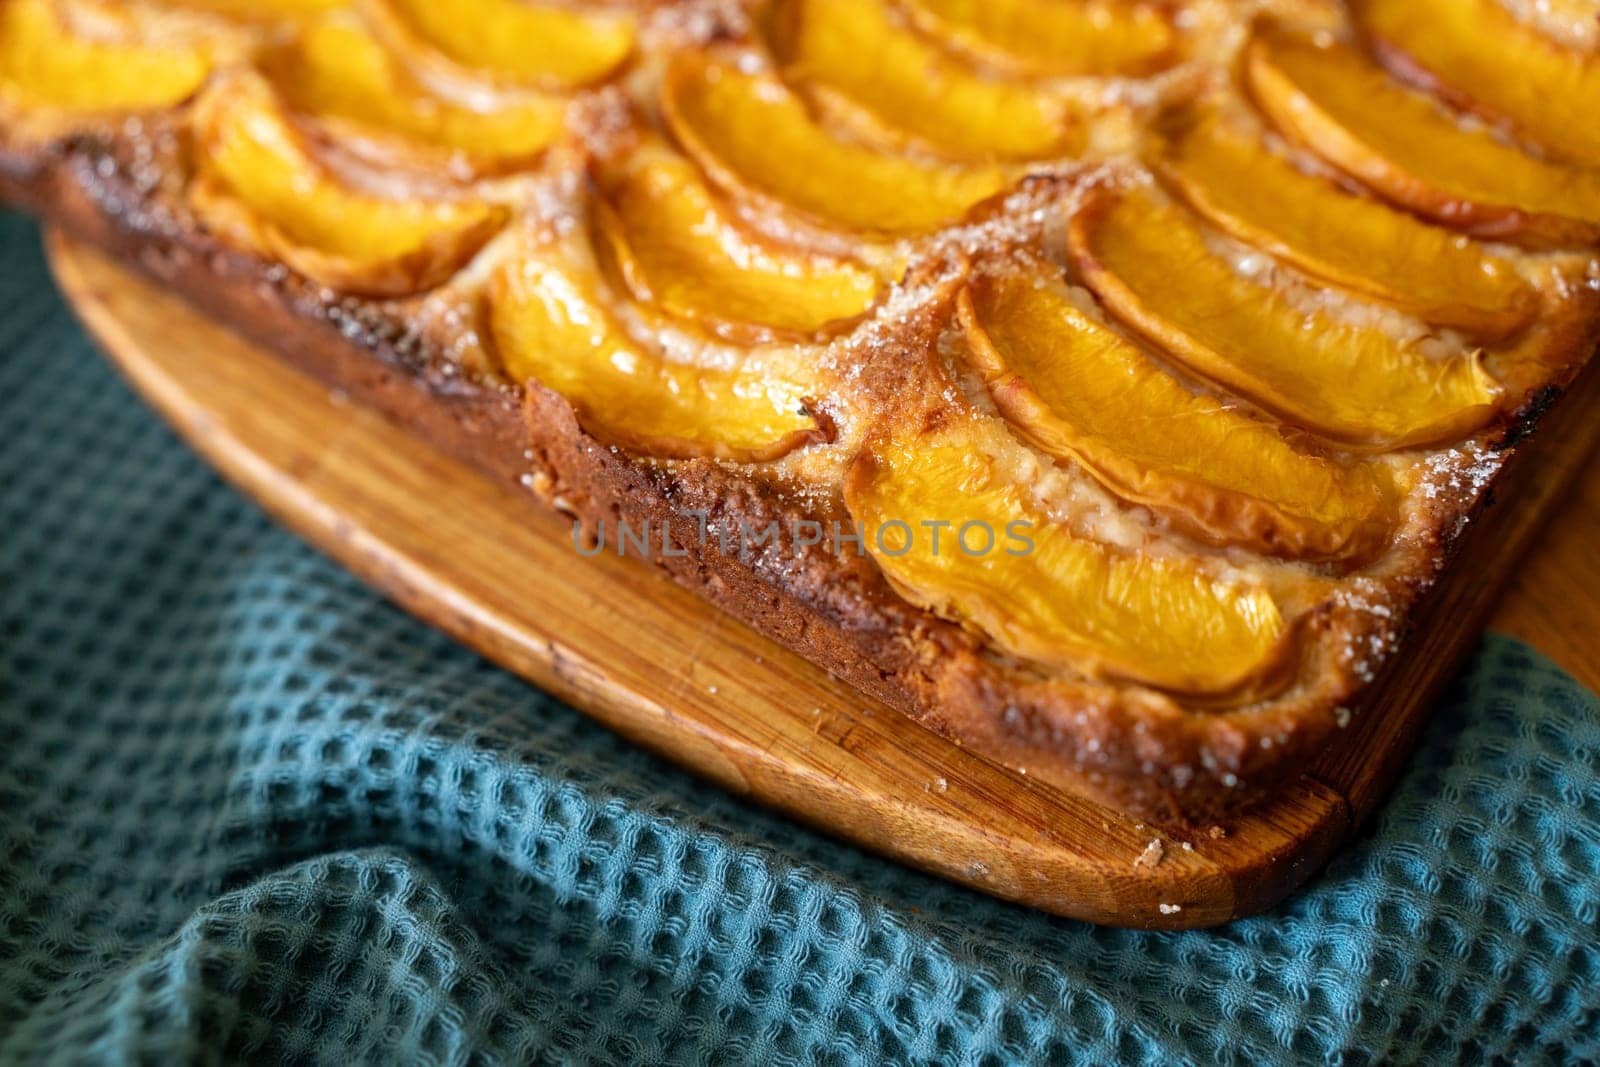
[250,811]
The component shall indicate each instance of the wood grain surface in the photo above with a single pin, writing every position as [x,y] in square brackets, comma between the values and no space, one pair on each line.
[1553,599]
[654,663]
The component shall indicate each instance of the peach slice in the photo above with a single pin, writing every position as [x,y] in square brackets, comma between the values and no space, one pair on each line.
[1079,390]
[256,180]
[513,43]
[1039,591]
[1261,198]
[553,324]
[1150,264]
[1332,99]
[336,69]
[752,136]
[1483,59]
[1053,37]
[44,66]
[263,10]
[675,247]
[859,50]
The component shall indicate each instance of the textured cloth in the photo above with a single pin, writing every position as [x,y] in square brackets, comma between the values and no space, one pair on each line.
[249,810]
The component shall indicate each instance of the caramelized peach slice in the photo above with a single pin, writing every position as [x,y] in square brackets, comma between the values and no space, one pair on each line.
[1150,264]
[1053,37]
[1484,59]
[263,10]
[256,180]
[676,248]
[859,50]
[553,324]
[514,43]
[752,136]
[336,69]
[1040,592]
[1079,390]
[1331,99]
[45,66]
[1231,178]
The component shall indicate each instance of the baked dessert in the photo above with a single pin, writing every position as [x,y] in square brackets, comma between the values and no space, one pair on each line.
[1104,384]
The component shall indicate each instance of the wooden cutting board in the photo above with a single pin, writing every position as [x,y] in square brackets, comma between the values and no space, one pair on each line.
[651,661]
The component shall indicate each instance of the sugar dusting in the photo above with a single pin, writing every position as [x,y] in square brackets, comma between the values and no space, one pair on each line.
[1576,22]
[878,367]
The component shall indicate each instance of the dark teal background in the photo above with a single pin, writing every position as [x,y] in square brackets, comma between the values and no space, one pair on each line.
[249,809]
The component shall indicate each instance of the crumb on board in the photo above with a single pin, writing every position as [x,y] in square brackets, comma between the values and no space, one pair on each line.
[1170,909]
[1152,855]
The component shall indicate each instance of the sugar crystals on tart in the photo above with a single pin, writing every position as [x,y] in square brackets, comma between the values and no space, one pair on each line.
[1575,23]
